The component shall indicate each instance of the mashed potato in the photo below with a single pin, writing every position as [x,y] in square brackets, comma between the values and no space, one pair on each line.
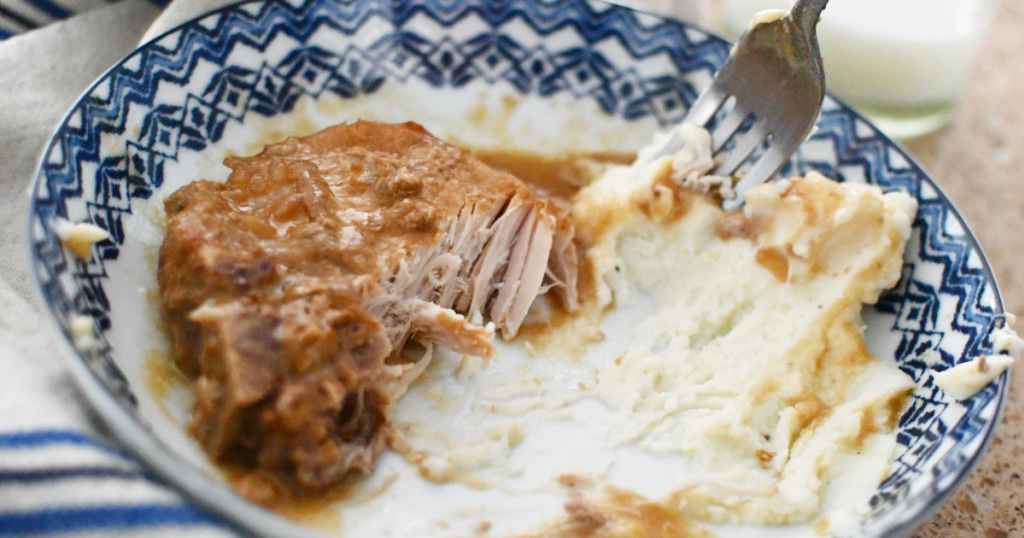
[752,359]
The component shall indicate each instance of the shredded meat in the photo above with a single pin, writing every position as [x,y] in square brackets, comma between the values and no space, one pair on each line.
[290,290]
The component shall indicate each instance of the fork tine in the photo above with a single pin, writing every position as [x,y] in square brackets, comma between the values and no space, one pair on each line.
[765,167]
[702,110]
[773,74]
[745,145]
[728,126]
[707,103]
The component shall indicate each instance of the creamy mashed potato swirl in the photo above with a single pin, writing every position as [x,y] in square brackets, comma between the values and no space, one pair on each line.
[752,359]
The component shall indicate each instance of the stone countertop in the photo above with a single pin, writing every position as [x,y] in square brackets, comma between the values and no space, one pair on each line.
[978,161]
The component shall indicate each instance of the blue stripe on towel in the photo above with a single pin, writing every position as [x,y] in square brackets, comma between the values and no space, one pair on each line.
[58,520]
[38,438]
[53,10]
[45,475]
[17,19]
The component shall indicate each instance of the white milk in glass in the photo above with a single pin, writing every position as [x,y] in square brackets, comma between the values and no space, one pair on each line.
[901,62]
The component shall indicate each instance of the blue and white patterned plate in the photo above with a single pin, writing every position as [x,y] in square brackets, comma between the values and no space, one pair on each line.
[552,75]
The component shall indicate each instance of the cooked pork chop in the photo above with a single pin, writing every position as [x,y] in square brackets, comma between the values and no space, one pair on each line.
[290,290]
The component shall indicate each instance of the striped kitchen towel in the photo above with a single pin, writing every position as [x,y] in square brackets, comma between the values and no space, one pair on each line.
[19,16]
[68,482]
[59,475]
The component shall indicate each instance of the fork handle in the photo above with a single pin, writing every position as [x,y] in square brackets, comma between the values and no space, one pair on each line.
[805,14]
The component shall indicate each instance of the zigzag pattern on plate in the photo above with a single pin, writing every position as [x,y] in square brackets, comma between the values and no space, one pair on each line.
[944,306]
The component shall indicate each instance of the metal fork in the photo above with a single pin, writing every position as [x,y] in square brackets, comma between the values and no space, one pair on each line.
[774,75]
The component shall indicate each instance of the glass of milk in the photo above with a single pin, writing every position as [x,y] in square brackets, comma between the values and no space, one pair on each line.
[901,63]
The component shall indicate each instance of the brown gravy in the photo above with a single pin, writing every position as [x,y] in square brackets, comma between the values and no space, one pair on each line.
[621,513]
[558,177]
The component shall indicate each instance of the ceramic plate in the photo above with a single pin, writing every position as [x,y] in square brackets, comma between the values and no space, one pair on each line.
[546,76]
